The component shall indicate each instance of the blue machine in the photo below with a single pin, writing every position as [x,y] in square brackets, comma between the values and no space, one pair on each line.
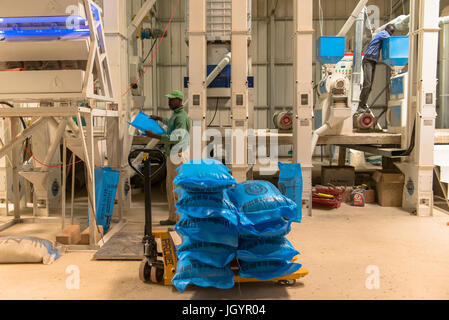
[223,80]
[395,51]
[397,86]
[330,50]
[397,105]
[43,28]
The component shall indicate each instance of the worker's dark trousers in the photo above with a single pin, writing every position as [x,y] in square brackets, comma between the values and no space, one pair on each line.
[369,71]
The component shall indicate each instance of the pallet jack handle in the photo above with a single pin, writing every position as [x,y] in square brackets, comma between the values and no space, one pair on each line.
[148,239]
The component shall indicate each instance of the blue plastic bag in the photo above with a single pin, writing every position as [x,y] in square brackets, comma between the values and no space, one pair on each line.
[206,205]
[213,230]
[202,275]
[260,201]
[267,270]
[291,185]
[205,162]
[273,228]
[213,254]
[205,176]
[106,183]
[143,123]
[266,249]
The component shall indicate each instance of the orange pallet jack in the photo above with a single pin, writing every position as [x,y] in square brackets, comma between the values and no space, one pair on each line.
[162,271]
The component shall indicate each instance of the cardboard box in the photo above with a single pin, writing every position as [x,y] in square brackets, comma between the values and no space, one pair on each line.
[370,196]
[389,187]
[338,176]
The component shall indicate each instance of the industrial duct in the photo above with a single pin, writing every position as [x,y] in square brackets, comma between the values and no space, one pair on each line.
[443,70]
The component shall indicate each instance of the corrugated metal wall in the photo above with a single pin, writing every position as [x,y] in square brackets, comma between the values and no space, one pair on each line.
[171,62]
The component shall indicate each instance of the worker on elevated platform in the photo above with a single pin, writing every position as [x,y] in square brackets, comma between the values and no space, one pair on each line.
[372,55]
[177,144]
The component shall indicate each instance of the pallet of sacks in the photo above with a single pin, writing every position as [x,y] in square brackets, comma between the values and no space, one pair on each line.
[223,222]
[207,226]
[265,218]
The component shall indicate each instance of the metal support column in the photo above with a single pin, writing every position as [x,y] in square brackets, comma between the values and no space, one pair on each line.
[418,168]
[303,100]
[197,76]
[239,89]
[357,62]
[116,31]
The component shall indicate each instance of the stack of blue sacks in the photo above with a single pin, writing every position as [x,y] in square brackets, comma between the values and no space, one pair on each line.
[208,225]
[265,218]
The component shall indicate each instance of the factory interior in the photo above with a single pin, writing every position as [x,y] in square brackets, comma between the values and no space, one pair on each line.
[93,92]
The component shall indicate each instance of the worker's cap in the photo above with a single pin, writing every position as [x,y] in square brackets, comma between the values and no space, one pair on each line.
[176,95]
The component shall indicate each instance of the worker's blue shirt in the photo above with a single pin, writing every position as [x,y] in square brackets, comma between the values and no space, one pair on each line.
[375,46]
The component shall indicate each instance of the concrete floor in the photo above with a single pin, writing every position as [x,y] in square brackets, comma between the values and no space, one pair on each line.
[337,247]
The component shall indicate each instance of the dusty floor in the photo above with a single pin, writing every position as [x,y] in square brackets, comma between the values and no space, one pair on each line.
[338,247]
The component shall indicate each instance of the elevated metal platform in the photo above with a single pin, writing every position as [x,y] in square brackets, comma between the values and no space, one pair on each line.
[351,139]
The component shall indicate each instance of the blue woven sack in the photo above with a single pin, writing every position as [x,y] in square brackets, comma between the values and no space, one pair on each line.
[267,270]
[260,201]
[291,185]
[143,123]
[202,275]
[266,249]
[272,228]
[214,254]
[213,230]
[205,175]
[106,183]
[206,205]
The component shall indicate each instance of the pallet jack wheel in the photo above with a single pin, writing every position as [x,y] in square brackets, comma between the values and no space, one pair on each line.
[148,273]
[157,275]
[145,271]
[286,282]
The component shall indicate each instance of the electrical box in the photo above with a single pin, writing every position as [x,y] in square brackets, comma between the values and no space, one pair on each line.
[330,50]
[395,51]
[397,105]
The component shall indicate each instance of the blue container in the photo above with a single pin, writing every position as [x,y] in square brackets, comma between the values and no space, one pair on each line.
[106,183]
[330,50]
[143,123]
[395,51]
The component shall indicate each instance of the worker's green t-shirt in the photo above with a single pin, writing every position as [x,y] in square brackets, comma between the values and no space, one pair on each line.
[179,120]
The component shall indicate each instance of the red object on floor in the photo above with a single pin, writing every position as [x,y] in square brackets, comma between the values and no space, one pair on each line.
[338,194]
[325,203]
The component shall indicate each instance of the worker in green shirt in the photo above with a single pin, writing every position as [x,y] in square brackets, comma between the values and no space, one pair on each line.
[177,147]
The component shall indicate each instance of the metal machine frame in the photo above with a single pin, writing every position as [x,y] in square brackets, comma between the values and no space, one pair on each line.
[64,107]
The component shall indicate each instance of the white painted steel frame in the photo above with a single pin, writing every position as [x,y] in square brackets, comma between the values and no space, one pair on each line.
[303,100]
[418,168]
[197,76]
[239,89]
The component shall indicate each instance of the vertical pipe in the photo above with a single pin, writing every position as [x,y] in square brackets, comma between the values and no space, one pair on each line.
[73,188]
[303,91]
[444,76]
[272,66]
[357,62]
[197,76]
[239,88]
[64,180]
